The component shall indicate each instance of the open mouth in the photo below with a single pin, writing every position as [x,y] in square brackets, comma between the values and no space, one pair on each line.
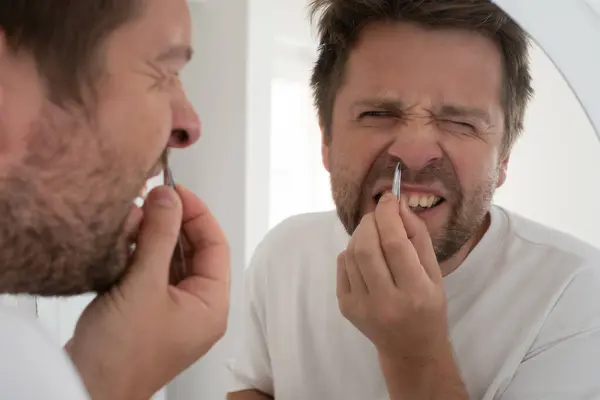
[418,202]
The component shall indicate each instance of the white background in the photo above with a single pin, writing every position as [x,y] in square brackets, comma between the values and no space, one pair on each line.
[249,82]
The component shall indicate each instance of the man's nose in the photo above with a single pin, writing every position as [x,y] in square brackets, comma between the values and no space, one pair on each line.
[416,144]
[186,125]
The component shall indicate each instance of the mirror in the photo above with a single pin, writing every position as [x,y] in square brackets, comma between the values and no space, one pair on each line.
[565,24]
[529,269]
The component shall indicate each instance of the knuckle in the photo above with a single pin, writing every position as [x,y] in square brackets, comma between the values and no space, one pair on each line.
[391,244]
[363,253]
[344,306]
[387,316]
[367,218]
[222,327]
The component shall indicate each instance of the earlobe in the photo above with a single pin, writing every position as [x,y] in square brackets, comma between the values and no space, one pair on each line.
[503,170]
[325,156]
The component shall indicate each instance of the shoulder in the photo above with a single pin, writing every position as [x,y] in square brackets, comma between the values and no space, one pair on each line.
[558,247]
[297,234]
[311,225]
[298,243]
[23,343]
[571,265]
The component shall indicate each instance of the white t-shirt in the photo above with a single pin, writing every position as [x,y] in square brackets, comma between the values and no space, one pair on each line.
[32,366]
[523,309]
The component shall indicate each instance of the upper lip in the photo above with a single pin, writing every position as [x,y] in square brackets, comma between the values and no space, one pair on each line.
[427,190]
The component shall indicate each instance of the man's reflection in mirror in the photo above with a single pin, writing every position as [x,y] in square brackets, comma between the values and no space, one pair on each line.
[443,296]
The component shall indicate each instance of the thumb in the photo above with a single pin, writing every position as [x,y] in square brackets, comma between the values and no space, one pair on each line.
[158,234]
[417,233]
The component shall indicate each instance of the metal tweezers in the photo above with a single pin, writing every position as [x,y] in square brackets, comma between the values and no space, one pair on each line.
[396,182]
[178,268]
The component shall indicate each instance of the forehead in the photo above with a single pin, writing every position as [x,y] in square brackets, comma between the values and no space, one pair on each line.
[160,24]
[419,65]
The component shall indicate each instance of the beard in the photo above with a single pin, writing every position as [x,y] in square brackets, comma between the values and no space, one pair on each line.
[467,212]
[64,207]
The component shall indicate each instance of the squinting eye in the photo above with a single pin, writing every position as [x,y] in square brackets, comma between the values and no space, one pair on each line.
[375,114]
[378,119]
[458,127]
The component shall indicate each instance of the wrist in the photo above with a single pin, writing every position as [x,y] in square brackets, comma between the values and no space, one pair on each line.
[101,380]
[434,375]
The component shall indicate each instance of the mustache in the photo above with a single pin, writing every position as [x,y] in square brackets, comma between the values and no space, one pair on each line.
[164,159]
[439,170]
[430,173]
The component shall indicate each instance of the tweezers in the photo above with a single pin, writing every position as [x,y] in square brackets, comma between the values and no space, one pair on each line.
[396,182]
[178,268]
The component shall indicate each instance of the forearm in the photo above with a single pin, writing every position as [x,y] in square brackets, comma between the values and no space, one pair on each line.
[249,395]
[437,378]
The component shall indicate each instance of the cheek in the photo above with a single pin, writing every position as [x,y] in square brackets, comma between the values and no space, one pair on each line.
[355,152]
[139,130]
[476,167]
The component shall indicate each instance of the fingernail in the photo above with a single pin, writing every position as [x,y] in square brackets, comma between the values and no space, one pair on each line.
[388,197]
[403,202]
[162,197]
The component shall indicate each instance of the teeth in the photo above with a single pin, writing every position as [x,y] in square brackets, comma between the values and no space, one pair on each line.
[424,201]
[414,201]
[139,201]
[431,200]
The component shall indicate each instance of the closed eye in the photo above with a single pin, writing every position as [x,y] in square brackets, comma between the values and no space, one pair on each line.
[376,114]
[457,127]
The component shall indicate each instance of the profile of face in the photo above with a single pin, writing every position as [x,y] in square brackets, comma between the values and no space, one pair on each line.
[69,176]
[431,100]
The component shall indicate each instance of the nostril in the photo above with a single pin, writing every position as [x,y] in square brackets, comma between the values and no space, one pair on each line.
[181,136]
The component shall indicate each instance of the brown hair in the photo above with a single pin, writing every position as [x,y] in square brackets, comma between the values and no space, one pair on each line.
[65,38]
[341,22]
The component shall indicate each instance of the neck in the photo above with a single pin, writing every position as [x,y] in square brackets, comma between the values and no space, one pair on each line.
[454,262]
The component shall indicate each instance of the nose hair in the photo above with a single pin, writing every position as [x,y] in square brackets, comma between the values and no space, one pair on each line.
[416,144]
[186,126]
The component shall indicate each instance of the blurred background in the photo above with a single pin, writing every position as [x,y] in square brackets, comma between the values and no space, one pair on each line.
[258,161]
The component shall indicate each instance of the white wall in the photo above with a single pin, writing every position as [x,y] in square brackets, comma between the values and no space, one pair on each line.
[553,170]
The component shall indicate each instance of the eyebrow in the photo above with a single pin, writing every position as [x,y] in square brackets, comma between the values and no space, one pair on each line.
[390,104]
[176,53]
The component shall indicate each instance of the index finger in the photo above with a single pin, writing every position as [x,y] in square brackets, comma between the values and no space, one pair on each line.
[400,254]
[206,238]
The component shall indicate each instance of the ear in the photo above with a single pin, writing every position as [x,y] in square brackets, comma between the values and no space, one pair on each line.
[502,172]
[325,142]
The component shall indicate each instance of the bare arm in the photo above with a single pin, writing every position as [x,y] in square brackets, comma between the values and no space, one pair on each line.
[249,395]
[438,378]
